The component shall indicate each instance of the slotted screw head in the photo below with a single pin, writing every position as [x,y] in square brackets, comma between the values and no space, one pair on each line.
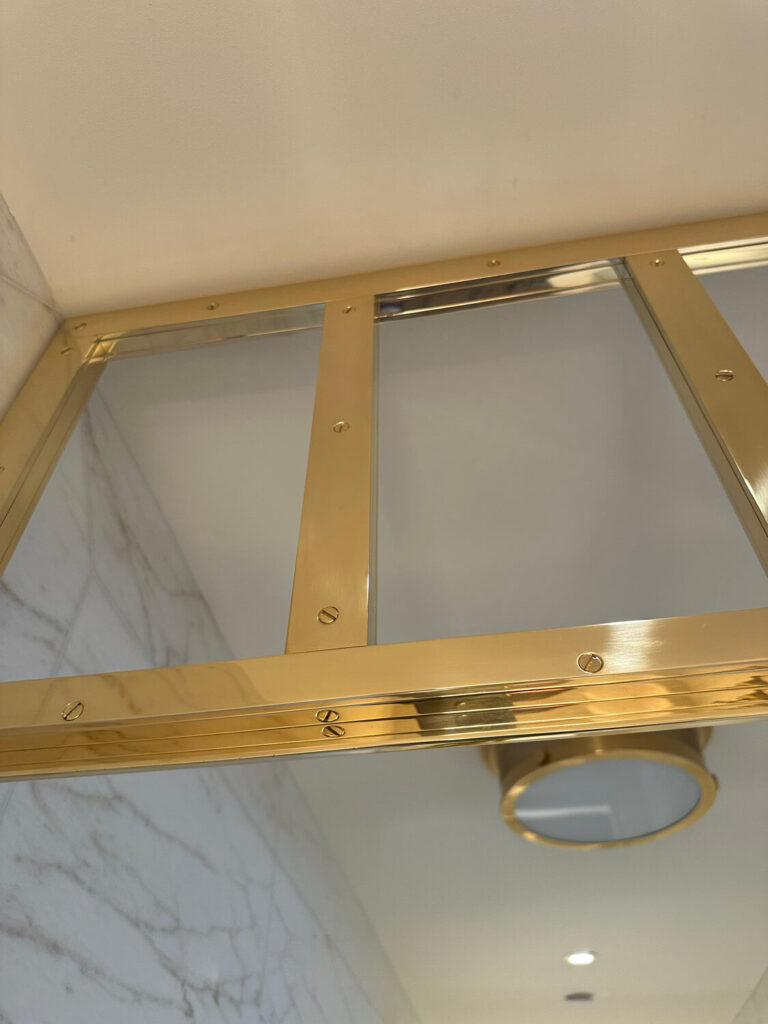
[724,375]
[658,262]
[327,715]
[340,426]
[590,662]
[333,731]
[494,263]
[348,309]
[328,615]
[73,710]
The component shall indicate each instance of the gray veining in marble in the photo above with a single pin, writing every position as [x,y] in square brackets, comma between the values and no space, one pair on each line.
[206,895]
[28,318]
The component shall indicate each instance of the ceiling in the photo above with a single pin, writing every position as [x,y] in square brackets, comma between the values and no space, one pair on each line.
[535,469]
[164,148]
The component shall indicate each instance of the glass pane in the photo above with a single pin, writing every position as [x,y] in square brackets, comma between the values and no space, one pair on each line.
[168,531]
[742,298]
[608,800]
[537,469]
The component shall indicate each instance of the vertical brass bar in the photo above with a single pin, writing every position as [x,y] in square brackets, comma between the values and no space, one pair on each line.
[36,427]
[721,388]
[331,585]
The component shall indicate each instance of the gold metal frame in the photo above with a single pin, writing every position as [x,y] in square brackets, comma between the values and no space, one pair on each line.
[334,689]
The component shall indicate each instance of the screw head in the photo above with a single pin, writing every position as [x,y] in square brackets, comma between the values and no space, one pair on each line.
[724,375]
[494,262]
[658,262]
[340,426]
[590,662]
[212,306]
[334,731]
[348,309]
[327,715]
[73,710]
[328,615]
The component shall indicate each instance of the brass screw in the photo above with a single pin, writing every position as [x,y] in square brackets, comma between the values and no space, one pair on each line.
[328,615]
[340,427]
[73,710]
[725,375]
[348,309]
[658,262]
[212,305]
[67,348]
[590,662]
[494,263]
[333,730]
[327,715]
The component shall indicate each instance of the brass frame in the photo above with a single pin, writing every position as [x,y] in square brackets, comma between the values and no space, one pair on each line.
[333,691]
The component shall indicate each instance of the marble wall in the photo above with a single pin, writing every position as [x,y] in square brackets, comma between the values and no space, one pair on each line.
[202,894]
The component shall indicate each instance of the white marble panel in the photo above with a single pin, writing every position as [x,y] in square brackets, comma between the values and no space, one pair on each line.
[134,898]
[305,857]
[306,978]
[17,262]
[26,327]
[44,582]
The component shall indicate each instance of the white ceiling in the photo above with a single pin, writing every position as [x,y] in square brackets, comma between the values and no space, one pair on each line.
[161,148]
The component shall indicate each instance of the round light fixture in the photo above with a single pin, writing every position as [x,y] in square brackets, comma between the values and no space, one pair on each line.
[581,958]
[594,792]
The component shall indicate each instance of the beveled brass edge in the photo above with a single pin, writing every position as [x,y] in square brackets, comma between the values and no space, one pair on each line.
[694,342]
[697,670]
[722,232]
[333,558]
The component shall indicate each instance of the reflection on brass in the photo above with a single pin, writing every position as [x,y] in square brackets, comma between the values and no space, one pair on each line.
[694,670]
[73,710]
[333,731]
[327,715]
[694,342]
[590,662]
[519,765]
[333,559]
[660,672]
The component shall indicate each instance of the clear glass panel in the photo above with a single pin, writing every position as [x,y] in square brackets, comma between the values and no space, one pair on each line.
[608,800]
[168,531]
[536,470]
[742,297]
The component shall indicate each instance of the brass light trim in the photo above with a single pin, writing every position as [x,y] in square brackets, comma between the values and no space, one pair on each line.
[518,767]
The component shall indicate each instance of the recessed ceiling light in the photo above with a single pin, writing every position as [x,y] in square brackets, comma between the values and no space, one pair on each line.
[581,958]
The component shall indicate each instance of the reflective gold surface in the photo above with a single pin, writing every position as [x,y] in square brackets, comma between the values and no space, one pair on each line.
[656,674]
[728,396]
[662,673]
[329,607]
